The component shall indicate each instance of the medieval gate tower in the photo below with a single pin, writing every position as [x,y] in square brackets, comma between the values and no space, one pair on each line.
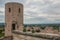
[13,17]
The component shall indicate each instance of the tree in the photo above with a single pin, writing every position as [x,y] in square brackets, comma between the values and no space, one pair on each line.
[42,27]
[0,31]
[24,29]
[38,30]
[33,31]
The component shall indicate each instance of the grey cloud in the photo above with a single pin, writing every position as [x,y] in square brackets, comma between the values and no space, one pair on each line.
[35,20]
[41,20]
[45,7]
[2,16]
[1,11]
[2,3]
[31,14]
[52,9]
[49,8]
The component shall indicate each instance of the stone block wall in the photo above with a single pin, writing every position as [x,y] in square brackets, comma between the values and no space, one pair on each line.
[18,35]
[7,38]
[32,36]
[23,37]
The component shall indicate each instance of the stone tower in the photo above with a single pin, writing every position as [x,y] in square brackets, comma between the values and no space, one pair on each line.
[13,17]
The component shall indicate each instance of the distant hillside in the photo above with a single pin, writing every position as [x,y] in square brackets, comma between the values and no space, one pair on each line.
[2,24]
[41,25]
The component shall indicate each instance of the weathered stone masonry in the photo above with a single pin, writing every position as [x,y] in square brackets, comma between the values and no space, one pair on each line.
[17,35]
[13,17]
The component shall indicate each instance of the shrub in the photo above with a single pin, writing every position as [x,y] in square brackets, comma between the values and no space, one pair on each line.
[42,28]
[33,31]
[0,31]
[56,27]
[38,30]
[2,34]
[28,30]
[24,29]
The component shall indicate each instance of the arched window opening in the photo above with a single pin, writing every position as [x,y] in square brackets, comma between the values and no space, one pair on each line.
[9,9]
[19,10]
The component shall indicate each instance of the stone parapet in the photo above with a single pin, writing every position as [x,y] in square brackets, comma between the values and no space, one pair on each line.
[34,36]
[7,38]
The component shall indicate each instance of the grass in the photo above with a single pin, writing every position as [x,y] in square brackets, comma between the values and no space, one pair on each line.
[1,32]
[1,35]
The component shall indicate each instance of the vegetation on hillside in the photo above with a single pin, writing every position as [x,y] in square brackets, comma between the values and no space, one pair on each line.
[43,26]
[1,30]
[24,29]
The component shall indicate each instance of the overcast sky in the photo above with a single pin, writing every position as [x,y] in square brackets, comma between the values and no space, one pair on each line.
[36,11]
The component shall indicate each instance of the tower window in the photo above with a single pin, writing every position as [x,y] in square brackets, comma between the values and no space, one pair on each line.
[19,10]
[9,9]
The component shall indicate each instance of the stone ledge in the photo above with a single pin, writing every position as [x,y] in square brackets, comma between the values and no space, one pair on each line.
[7,38]
[39,35]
